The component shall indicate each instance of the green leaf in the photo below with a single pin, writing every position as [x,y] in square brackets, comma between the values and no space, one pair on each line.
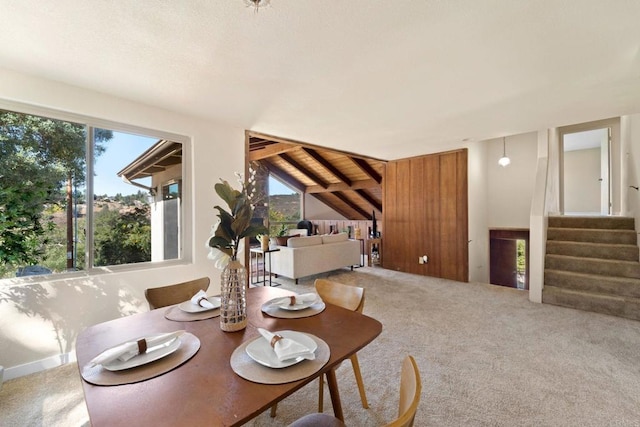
[254,230]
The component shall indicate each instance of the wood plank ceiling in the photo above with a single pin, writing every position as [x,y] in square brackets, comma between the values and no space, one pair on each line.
[348,183]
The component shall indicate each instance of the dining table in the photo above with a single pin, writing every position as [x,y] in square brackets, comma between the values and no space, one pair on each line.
[206,389]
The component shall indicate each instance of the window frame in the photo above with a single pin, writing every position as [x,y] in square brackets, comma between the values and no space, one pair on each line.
[90,124]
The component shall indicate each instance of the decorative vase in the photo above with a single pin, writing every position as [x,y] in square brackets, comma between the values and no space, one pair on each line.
[264,243]
[233,305]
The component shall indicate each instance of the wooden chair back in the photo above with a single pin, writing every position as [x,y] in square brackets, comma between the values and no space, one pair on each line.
[175,294]
[410,390]
[345,296]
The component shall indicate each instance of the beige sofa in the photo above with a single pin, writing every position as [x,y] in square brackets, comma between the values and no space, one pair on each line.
[305,256]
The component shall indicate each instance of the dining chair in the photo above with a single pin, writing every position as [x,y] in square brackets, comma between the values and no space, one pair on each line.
[351,298]
[175,294]
[410,390]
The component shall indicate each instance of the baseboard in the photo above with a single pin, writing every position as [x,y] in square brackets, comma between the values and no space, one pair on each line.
[39,365]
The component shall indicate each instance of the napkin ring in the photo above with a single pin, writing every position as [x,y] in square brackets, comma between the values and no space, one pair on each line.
[275,339]
[293,300]
[142,346]
[200,300]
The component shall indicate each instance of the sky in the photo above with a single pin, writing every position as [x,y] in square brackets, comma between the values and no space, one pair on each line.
[122,149]
[276,187]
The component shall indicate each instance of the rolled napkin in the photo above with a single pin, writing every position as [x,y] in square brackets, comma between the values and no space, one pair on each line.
[201,300]
[286,348]
[297,299]
[129,349]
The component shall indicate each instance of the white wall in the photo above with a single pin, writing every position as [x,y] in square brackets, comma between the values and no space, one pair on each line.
[478,211]
[581,185]
[631,138]
[316,210]
[39,321]
[498,197]
[510,188]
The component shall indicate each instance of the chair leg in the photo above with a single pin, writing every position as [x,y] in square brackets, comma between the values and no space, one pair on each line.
[321,394]
[274,408]
[356,371]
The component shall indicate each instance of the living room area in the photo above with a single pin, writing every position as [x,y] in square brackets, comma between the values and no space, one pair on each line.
[398,111]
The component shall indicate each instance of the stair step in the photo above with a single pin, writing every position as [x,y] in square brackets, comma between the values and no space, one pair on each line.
[600,222]
[603,267]
[626,307]
[619,237]
[621,286]
[593,250]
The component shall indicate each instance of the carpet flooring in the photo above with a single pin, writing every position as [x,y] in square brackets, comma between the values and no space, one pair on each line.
[487,356]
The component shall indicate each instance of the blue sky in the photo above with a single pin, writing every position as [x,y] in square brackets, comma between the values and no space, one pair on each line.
[276,187]
[124,148]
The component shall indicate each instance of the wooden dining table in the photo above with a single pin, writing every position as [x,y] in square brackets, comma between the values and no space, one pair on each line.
[205,390]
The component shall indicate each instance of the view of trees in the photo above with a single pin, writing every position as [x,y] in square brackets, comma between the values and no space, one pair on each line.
[123,238]
[283,209]
[42,169]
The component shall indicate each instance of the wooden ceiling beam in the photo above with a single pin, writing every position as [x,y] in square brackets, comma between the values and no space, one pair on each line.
[363,184]
[375,203]
[328,166]
[309,174]
[284,176]
[366,168]
[269,151]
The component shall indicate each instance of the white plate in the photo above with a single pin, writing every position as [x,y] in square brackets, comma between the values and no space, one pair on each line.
[142,359]
[295,307]
[260,350]
[190,307]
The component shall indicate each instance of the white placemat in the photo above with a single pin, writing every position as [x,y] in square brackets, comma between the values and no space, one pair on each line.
[274,311]
[249,369]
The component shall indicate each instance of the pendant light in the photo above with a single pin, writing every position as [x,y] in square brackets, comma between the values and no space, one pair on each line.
[504,160]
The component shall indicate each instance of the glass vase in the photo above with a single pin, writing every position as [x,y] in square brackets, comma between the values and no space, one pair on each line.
[233,295]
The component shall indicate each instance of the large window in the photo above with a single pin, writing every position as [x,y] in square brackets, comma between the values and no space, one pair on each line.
[74,196]
[285,207]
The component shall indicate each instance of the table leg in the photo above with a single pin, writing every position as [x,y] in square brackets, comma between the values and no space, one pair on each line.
[335,395]
[265,266]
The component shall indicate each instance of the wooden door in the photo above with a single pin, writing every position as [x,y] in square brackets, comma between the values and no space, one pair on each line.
[503,256]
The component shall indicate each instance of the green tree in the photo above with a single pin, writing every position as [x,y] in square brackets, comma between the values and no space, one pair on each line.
[37,157]
[123,238]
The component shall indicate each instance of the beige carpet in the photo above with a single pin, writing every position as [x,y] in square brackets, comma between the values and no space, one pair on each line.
[488,357]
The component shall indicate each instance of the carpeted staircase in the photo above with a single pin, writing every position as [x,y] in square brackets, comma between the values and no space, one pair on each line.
[592,264]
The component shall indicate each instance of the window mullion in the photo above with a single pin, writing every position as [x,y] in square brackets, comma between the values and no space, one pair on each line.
[89,252]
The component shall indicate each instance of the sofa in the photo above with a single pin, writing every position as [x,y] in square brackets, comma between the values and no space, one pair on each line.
[308,255]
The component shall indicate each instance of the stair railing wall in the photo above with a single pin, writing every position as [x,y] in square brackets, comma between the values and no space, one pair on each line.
[545,196]
[630,179]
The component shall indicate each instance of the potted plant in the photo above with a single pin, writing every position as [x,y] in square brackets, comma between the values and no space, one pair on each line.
[283,235]
[233,226]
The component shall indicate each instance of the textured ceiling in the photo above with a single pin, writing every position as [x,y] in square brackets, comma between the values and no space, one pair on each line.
[388,79]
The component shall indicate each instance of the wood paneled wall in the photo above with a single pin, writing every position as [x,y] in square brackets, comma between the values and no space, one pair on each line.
[425,213]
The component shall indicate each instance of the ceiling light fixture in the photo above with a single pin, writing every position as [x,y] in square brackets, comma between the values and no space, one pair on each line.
[257,4]
[504,160]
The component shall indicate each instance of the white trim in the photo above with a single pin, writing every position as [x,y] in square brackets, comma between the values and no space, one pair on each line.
[20,107]
[186,252]
[39,365]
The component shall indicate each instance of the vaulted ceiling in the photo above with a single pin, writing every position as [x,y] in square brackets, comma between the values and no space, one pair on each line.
[349,184]
[389,79]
